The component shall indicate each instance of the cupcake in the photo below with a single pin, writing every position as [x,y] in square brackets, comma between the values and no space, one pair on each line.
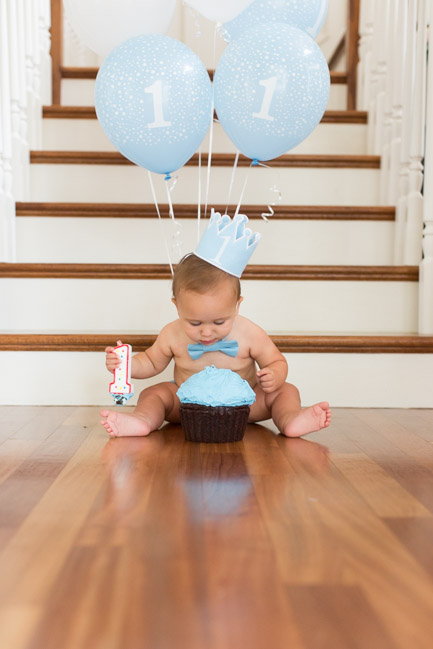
[214,406]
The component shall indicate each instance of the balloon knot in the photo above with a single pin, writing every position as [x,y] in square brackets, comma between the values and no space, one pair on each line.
[167,176]
[255,163]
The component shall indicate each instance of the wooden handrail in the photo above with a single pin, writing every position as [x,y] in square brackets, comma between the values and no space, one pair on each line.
[351,41]
[352,52]
[56,48]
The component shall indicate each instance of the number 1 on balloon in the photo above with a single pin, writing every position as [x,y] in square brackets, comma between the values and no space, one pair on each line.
[270,86]
[156,90]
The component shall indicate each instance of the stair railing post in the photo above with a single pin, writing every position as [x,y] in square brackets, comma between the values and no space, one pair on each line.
[406,132]
[397,62]
[390,27]
[7,204]
[45,45]
[425,326]
[366,24]
[414,223]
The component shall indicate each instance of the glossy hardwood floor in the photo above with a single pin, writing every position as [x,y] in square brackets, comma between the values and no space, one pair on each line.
[157,543]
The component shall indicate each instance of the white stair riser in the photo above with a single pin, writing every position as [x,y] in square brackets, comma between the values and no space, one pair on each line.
[81,92]
[123,241]
[144,305]
[345,380]
[87,135]
[129,184]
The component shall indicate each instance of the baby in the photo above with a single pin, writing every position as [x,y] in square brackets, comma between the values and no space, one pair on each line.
[207,300]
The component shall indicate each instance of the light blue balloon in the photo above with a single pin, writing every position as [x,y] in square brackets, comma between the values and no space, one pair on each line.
[305,14]
[271,89]
[153,99]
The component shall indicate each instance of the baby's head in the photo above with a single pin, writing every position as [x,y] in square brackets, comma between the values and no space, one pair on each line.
[207,299]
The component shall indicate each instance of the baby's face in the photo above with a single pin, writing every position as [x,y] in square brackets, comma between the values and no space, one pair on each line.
[207,318]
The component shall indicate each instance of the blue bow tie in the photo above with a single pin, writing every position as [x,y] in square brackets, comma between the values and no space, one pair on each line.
[229,347]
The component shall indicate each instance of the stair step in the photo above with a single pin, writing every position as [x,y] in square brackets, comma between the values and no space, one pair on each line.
[252,272]
[293,344]
[301,179]
[86,72]
[78,83]
[218,159]
[58,111]
[76,128]
[95,297]
[185,211]
[353,379]
[53,233]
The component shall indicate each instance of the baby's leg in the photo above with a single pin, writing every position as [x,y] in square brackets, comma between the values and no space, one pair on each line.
[294,421]
[155,404]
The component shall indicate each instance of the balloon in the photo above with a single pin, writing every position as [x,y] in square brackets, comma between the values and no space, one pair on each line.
[104,24]
[153,99]
[305,14]
[219,10]
[271,89]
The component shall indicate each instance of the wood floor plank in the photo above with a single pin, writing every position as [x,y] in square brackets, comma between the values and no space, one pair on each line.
[382,492]
[158,542]
[328,616]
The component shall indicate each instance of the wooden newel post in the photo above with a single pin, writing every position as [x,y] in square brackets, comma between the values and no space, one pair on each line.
[352,53]
[56,49]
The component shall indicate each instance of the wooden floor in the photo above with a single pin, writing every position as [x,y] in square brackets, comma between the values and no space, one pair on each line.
[158,543]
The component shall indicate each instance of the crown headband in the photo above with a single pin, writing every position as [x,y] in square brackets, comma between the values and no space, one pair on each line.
[227,243]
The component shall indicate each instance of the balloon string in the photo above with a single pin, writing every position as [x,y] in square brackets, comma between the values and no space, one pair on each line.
[160,221]
[199,196]
[209,160]
[176,245]
[242,193]
[232,181]
[274,188]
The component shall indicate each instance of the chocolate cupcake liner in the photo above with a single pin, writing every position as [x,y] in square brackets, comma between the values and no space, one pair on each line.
[216,424]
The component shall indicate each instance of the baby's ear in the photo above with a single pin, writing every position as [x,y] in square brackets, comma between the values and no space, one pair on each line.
[241,299]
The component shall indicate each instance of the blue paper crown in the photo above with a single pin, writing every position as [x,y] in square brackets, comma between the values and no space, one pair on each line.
[227,243]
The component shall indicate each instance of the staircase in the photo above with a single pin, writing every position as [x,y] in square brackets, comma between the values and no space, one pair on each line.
[92,268]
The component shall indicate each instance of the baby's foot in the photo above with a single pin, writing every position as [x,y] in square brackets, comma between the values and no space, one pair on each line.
[120,424]
[309,420]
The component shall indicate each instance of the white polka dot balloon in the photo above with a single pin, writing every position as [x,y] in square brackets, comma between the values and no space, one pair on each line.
[153,99]
[308,15]
[271,89]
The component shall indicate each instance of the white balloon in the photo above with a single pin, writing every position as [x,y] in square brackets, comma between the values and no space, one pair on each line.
[104,24]
[219,10]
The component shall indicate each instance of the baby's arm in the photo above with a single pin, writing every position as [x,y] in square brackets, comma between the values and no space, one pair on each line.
[273,366]
[148,363]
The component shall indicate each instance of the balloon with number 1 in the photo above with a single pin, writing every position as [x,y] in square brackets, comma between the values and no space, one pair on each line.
[153,99]
[271,89]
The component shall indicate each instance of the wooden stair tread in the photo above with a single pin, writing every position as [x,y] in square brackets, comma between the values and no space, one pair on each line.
[292,343]
[89,112]
[218,159]
[70,72]
[252,272]
[189,211]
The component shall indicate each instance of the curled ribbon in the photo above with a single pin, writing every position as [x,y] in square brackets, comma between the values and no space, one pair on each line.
[274,188]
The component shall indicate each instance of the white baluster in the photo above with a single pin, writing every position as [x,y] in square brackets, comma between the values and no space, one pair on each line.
[426,267]
[45,46]
[21,149]
[366,24]
[408,85]
[7,205]
[398,59]
[414,224]
[390,31]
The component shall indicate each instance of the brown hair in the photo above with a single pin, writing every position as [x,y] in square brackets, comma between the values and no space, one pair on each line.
[196,275]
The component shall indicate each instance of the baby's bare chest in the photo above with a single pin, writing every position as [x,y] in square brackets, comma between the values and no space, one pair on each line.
[185,366]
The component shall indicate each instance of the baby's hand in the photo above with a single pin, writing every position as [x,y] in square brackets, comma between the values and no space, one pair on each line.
[112,361]
[267,379]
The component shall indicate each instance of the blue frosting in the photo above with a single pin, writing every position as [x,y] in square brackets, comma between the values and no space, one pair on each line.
[216,387]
